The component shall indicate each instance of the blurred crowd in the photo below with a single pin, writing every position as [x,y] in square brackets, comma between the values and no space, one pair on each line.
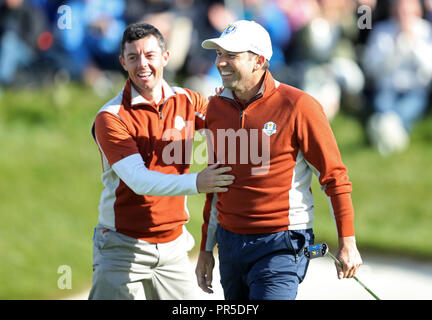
[373,58]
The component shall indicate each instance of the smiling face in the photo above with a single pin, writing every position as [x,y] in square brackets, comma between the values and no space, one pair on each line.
[144,60]
[241,72]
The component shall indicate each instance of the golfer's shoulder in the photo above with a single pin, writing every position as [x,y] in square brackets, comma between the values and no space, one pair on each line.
[113,105]
[189,95]
[111,114]
[295,97]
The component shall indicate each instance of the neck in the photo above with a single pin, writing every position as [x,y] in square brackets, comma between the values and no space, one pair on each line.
[152,95]
[250,91]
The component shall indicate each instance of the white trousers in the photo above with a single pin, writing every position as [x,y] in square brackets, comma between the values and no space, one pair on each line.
[127,268]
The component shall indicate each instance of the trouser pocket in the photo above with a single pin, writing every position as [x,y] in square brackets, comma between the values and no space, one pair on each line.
[296,240]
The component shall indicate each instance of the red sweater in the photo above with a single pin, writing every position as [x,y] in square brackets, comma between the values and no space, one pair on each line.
[129,125]
[290,127]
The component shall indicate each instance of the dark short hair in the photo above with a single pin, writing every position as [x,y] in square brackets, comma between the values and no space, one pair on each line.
[141,30]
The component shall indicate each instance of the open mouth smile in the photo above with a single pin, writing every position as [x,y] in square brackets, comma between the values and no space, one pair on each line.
[144,75]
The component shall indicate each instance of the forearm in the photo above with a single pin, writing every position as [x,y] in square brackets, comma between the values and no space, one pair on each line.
[209,227]
[133,172]
[343,212]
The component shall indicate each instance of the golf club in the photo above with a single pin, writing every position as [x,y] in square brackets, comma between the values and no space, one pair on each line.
[320,250]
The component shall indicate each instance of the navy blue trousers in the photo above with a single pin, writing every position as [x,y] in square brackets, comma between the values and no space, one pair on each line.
[262,266]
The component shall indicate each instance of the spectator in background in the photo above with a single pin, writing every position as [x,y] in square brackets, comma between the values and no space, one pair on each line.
[376,10]
[22,28]
[270,15]
[174,19]
[428,9]
[299,12]
[397,59]
[323,58]
[91,45]
[136,9]
[210,18]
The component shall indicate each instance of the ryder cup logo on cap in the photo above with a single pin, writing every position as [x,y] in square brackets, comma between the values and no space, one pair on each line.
[243,36]
[229,29]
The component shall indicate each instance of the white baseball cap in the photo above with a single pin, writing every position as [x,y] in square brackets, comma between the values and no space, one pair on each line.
[240,36]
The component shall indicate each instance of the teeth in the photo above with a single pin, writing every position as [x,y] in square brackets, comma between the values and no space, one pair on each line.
[144,74]
[226,73]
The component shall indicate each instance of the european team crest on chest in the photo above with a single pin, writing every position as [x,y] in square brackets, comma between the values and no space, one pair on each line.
[269,128]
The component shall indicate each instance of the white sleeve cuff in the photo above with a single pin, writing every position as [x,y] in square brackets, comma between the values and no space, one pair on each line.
[212,225]
[143,181]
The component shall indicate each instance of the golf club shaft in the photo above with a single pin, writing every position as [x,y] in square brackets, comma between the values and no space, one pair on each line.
[355,278]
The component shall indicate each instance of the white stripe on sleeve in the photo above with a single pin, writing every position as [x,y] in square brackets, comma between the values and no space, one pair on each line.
[212,225]
[143,181]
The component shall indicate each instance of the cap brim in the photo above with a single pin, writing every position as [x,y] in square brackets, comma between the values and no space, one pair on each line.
[209,44]
[224,44]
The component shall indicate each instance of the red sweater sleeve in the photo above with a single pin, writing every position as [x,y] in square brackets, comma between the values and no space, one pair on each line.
[200,107]
[320,150]
[113,138]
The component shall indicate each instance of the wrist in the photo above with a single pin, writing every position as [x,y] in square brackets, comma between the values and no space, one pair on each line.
[347,241]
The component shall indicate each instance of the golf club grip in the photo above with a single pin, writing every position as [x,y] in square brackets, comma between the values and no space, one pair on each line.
[355,278]
[335,259]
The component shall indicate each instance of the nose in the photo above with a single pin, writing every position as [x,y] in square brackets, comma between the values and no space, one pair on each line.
[220,61]
[142,60]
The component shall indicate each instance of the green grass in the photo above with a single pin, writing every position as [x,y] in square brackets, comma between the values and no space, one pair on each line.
[390,194]
[50,188]
[49,191]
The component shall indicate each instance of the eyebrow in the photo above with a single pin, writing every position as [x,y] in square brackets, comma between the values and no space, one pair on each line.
[228,52]
[136,53]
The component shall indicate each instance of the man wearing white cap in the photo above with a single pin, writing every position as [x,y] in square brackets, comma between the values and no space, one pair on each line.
[265,219]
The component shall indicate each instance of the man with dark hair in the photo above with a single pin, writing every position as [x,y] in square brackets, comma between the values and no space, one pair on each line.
[141,242]
[265,220]
[139,31]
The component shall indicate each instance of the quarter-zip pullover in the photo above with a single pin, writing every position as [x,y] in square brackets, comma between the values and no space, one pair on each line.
[294,130]
[131,132]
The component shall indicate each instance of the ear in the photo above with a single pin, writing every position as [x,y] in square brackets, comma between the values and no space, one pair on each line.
[165,58]
[259,62]
[122,62]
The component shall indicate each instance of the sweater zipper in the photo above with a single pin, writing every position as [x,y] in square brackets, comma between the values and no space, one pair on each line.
[160,110]
[242,110]
[247,105]
[238,106]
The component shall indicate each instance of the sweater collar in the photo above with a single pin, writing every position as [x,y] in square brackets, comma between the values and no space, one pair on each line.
[131,96]
[267,87]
